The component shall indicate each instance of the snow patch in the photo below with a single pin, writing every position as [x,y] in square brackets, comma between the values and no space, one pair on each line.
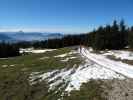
[62,55]
[119,54]
[12,65]
[66,54]
[32,50]
[67,59]
[4,66]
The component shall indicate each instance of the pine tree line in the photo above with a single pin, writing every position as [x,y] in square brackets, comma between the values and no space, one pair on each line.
[8,50]
[110,37]
[69,40]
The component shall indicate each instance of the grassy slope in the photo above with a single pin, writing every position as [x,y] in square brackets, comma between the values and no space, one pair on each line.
[14,83]
[92,90]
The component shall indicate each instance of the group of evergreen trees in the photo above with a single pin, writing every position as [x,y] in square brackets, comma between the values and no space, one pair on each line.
[110,37]
[8,50]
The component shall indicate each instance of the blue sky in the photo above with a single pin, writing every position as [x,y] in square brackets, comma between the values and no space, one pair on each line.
[62,15]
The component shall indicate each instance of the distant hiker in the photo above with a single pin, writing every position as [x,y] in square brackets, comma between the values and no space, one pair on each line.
[80,48]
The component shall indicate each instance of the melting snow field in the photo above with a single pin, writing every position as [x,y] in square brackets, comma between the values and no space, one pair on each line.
[66,54]
[123,55]
[73,78]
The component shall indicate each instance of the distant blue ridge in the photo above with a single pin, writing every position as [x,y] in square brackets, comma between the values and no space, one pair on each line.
[27,36]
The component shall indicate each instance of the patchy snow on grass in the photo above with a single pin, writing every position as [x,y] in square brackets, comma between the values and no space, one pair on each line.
[66,54]
[65,60]
[4,66]
[96,66]
[89,71]
[72,57]
[62,55]
[42,51]
[12,65]
[73,52]
[73,78]
[32,50]
[119,54]
[5,58]
[27,50]
[68,58]
[38,75]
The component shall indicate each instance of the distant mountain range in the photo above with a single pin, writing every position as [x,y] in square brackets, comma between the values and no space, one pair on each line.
[27,36]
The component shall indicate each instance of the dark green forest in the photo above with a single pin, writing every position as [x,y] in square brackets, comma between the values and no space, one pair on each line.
[115,36]
[110,37]
[8,50]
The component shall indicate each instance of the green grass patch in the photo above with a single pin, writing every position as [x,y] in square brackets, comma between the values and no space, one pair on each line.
[14,75]
[92,90]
